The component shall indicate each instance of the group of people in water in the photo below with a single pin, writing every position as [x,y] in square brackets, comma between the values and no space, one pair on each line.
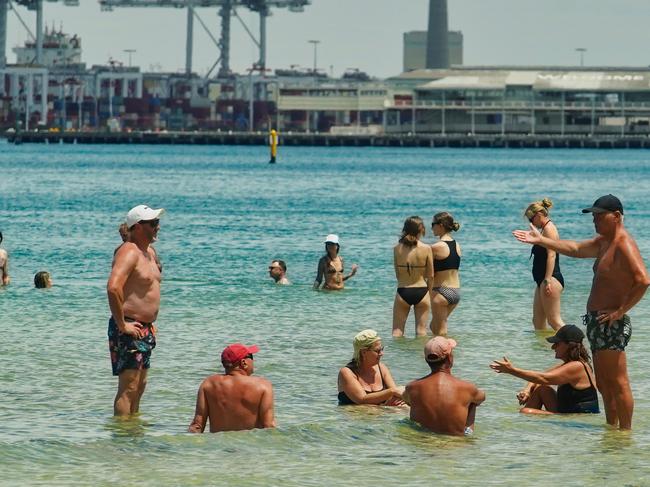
[427,281]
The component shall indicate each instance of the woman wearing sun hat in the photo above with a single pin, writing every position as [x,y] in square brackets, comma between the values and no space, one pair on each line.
[365,380]
[330,266]
[574,378]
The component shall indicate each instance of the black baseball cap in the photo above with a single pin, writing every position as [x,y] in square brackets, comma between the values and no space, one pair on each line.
[568,333]
[609,202]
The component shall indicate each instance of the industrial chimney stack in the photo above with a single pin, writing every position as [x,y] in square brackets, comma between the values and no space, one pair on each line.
[437,42]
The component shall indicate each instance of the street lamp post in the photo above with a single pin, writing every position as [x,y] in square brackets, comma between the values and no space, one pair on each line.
[582,51]
[315,43]
[130,53]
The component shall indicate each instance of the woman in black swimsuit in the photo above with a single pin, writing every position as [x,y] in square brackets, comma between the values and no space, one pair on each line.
[414,271]
[365,380]
[546,269]
[576,391]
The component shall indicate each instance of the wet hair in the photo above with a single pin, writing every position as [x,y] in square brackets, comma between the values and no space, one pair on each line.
[282,264]
[1,238]
[538,207]
[446,221]
[411,231]
[577,351]
[41,279]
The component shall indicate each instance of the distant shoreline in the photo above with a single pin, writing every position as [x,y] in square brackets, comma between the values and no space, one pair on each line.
[333,140]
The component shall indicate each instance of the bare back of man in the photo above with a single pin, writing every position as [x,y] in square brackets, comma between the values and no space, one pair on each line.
[233,403]
[443,404]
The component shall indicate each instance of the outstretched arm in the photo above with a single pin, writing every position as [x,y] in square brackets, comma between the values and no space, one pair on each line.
[572,248]
[563,374]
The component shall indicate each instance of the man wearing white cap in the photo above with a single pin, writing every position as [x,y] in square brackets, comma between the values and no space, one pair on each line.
[330,266]
[440,402]
[134,299]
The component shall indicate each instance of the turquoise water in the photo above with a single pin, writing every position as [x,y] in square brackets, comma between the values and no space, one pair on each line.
[229,214]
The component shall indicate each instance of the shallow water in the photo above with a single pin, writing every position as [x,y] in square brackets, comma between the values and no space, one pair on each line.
[229,214]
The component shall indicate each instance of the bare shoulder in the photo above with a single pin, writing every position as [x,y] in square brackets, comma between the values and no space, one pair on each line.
[126,251]
[261,383]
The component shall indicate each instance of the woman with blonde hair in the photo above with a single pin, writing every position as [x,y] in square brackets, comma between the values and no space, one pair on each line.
[365,380]
[414,272]
[546,269]
[446,280]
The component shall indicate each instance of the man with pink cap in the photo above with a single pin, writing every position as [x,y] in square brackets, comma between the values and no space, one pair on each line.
[440,402]
[234,401]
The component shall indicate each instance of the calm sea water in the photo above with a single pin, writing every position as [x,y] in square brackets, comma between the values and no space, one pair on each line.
[229,214]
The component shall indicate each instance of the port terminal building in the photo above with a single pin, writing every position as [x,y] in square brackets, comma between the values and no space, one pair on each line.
[460,100]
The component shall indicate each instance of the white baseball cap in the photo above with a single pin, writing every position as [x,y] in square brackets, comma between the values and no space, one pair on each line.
[332,238]
[142,213]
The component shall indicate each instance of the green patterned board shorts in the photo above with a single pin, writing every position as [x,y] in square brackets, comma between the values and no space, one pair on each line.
[605,336]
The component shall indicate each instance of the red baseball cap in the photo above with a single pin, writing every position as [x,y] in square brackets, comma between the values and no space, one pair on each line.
[235,352]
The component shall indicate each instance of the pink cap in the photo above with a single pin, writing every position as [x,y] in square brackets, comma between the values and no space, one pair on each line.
[438,348]
[235,352]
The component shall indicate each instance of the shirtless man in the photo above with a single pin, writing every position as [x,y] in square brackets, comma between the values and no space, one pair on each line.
[620,281]
[4,265]
[330,266]
[440,402]
[134,299]
[278,272]
[234,401]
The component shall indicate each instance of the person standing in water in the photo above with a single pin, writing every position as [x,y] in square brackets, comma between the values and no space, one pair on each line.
[414,272]
[546,269]
[330,266]
[4,265]
[620,282]
[445,295]
[133,290]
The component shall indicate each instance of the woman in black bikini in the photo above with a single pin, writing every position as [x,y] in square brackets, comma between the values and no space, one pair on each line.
[546,269]
[330,266]
[365,380]
[414,271]
[446,262]
[576,391]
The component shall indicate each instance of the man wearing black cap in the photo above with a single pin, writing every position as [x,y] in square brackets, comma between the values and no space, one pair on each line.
[620,281]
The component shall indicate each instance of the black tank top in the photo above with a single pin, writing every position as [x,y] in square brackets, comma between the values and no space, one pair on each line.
[452,261]
[344,400]
[572,400]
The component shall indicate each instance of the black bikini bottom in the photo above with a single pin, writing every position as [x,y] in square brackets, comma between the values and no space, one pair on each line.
[412,295]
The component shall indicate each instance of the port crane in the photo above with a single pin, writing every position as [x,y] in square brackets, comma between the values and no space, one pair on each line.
[227,9]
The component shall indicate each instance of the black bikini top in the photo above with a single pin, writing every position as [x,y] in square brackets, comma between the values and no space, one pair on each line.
[452,261]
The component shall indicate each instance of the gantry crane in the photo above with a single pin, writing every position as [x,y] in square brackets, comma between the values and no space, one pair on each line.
[226,9]
[36,5]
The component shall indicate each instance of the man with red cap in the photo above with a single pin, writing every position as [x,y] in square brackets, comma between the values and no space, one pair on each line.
[234,401]
[440,402]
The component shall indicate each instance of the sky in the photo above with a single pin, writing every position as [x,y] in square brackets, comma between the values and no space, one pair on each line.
[360,34]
